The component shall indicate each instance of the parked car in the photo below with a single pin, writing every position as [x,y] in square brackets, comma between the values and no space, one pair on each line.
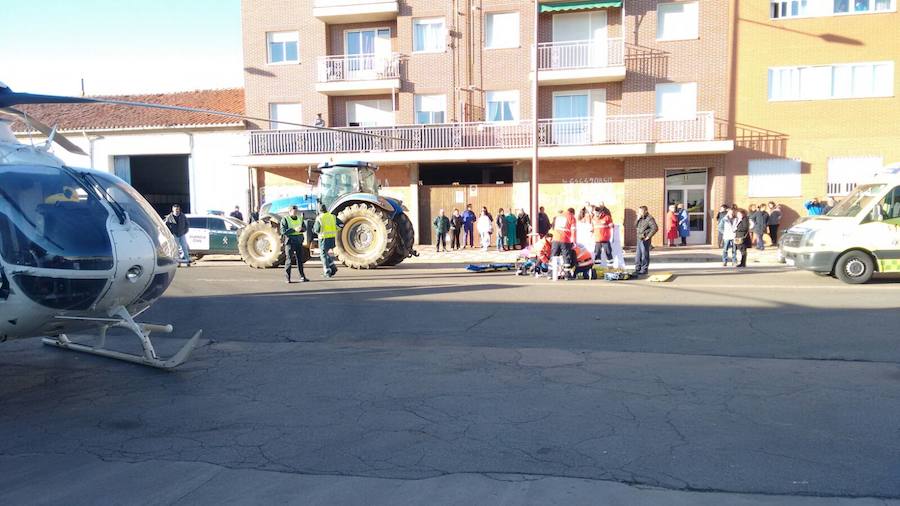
[213,235]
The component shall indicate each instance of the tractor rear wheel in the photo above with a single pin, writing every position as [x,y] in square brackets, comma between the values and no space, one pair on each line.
[405,241]
[260,245]
[367,238]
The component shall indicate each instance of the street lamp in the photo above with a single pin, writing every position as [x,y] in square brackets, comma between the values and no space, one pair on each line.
[534,115]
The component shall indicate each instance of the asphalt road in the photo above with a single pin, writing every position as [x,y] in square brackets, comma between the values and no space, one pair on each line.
[430,382]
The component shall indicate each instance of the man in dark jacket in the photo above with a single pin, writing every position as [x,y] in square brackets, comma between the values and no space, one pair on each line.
[177,223]
[774,222]
[469,219]
[760,220]
[543,222]
[236,214]
[742,237]
[645,228]
[441,227]
[523,227]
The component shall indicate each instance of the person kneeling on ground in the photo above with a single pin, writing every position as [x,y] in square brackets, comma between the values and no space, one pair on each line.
[584,263]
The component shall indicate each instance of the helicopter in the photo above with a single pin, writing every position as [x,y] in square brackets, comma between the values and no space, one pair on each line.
[81,251]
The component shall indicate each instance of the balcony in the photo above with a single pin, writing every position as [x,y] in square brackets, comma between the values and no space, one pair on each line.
[632,135]
[581,61]
[355,11]
[358,74]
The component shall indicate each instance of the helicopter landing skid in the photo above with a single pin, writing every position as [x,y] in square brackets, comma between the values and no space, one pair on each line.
[124,320]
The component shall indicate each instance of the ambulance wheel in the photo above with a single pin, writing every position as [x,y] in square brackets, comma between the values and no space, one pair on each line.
[854,267]
[260,245]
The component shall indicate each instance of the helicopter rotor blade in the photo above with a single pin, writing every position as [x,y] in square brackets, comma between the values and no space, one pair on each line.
[10,98]
[43,128]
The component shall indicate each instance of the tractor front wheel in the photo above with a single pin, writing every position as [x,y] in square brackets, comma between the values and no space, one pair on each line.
[260,245]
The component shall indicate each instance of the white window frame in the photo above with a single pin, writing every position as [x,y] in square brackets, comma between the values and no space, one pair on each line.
[844,173]
[767,184]
[691,34]
[683,87]
[269,42]
[442,35]
[490,26]
[430,97]
[776,75]
[380,101]
[273,107]
[784,9]
[516,113]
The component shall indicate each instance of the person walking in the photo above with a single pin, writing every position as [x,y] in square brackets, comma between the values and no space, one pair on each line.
[468,220]
[602,228]
[523,227]
[177,223]
[564,232]
[645,227]
[327,228]
[512,225]
[726,235]
[543,222]
[741,237]
[292,228]
[684,224]
[774,222]
[236,214]
[723,210]
[485,227]
[501,230]
[671,226]
[760,221]
[456,225]
[441,227]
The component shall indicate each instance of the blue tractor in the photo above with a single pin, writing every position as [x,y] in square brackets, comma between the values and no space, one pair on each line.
[376,230]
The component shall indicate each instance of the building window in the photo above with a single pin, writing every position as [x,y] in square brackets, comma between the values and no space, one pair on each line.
[501,30]
[845,172]
[429,35]
[779,9]
[370,113]
[676,101]
[292,113]
[677,21]
[283,47]
[823,82]
[431,109]
[503,105]
[774,178]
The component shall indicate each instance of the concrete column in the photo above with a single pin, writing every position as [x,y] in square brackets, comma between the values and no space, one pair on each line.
[413,203]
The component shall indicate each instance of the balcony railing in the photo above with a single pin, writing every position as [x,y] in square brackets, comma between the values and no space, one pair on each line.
[643,128]
[358,67]
[581,54]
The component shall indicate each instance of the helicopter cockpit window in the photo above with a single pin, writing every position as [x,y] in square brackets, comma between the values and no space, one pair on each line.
[142,213]
[48,220]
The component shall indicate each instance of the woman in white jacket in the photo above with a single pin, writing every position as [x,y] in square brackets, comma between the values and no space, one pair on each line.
[485,227]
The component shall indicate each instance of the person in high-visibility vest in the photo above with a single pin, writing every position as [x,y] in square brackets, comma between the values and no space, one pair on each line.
[326,228]
[292,229]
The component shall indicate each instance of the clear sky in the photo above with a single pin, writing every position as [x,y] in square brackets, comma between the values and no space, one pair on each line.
[120,46]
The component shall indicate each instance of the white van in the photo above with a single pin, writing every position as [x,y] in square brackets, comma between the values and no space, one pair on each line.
[858,237]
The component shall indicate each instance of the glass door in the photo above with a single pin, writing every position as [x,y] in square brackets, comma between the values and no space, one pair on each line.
[689,189]
[571,118]
[367,52]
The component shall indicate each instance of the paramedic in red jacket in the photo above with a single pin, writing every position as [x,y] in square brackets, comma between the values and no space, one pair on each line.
[564,236]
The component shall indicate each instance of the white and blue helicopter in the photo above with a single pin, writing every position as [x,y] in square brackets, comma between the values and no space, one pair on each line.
[81,251]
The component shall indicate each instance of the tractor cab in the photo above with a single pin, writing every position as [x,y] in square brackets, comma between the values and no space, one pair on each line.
[344,178]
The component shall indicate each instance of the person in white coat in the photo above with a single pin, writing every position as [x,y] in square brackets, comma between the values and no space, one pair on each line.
[485,226]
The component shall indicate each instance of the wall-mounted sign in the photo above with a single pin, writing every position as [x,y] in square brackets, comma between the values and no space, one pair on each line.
[473,190]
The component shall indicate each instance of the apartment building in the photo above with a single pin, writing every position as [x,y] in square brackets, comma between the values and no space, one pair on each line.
[815,98]
[633,100]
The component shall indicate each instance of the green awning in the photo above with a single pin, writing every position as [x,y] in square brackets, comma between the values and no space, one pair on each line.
[580,5]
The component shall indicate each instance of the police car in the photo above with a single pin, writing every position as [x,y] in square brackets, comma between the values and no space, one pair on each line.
[213,235]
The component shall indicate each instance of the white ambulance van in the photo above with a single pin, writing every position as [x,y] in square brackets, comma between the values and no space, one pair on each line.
[857,238]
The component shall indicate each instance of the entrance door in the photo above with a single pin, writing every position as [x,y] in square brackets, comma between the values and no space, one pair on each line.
[367,52]
[688,187]
[448,197]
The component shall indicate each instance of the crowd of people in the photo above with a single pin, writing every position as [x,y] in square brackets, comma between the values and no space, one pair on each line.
[740,229]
